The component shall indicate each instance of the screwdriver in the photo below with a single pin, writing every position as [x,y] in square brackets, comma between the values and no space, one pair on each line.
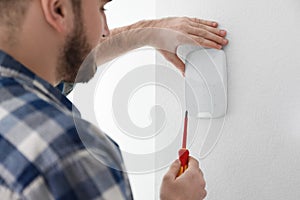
[184,152]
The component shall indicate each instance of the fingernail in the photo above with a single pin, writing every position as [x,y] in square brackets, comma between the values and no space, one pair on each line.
[223,32]
[225,41]
[219,47]
[215,24]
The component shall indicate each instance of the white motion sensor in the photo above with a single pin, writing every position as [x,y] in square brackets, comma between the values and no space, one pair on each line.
[205,81]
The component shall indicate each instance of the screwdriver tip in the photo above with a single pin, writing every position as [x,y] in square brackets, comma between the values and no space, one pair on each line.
[186,113]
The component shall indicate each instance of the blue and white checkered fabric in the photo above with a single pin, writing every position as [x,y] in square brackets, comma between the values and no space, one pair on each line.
[41,153]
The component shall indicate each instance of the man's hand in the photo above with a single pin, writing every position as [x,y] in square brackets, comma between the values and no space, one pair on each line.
[163,34]
[203,32]
[188,186]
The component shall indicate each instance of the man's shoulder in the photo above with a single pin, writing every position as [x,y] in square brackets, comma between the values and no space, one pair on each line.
[44,148]
[35,134]
[21,107]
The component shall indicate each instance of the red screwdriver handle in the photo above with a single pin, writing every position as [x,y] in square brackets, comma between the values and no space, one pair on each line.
[184,158]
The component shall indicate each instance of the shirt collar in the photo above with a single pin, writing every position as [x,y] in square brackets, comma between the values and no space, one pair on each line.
[12,68]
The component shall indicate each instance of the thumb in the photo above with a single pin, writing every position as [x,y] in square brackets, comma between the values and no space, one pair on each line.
[174,59]
[179,64]
[174,169]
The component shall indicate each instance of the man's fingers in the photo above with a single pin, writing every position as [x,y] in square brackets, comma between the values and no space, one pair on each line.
[214,30]
[173,171]
[207,35]
[193,163]
[207,43]
[206,22]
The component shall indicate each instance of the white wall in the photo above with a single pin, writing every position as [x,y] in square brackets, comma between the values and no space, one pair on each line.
[257,156]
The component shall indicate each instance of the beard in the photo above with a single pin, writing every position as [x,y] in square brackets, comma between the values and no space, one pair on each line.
[74,53]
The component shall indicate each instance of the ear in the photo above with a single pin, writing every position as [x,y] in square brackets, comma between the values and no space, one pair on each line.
[57,14]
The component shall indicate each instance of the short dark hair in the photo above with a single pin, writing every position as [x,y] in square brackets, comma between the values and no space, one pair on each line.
[13,11]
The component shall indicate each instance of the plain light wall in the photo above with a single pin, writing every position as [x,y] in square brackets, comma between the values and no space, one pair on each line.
[257,155]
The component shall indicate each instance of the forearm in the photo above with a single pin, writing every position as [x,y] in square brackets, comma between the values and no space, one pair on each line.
[120,41]
[140,24]
[127,38]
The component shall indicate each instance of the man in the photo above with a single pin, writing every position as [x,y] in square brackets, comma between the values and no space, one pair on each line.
[43,42]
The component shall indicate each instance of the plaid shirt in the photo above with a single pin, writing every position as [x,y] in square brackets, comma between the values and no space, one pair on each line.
[42,155]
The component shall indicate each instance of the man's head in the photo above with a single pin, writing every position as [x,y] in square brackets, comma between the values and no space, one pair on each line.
[60,34]
[12,12]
